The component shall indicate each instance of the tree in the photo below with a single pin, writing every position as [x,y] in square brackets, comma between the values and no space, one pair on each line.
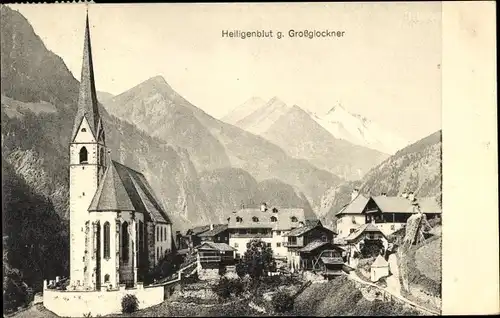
[241,270]
[258,258]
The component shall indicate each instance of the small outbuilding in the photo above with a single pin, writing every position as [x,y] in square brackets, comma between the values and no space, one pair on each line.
[379,268]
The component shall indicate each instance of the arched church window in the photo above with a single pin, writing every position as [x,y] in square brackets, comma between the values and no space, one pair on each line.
[83,155]
[274,219]
[164,233]
[125,242]
[157,234]
[106,278]
[106,240]
[141,242]
[101,156]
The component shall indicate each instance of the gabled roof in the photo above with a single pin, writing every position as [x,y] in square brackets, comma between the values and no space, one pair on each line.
[313,245]
[299,231]
[356,206]
[402,205]
[216,246]
[87,97]
[380,262]
[365,228]
[283,218]
[218,228]
[198,230]
[429,205]
[124,189]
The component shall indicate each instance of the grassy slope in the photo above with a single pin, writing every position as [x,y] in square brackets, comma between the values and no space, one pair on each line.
[341,297]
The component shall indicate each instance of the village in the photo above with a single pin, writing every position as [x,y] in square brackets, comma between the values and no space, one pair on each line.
[125,257]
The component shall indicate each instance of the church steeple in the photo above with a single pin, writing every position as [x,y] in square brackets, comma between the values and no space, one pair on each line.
[87,98]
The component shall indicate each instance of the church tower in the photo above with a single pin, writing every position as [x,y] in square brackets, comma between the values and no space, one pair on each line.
[88,155]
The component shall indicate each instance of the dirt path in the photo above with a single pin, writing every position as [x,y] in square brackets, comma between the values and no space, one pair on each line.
[393,284]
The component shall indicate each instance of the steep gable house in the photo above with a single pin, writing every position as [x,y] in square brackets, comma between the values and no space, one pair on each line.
[388,213]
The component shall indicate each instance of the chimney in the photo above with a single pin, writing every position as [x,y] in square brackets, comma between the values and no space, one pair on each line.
[411,196]
[301,224]
[354,194]
[211,227]
[404,195]
[263,207]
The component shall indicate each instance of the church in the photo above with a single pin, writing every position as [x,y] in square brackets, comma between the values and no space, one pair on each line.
[118,228]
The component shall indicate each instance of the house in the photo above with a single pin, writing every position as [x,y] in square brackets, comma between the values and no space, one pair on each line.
[212,255]
[192,235]
[267,224]
[301,236]
[118,228]
[365,235]
[379,269]
[330,263]
[351,216]
[309,254]
[217,233]
[388,213]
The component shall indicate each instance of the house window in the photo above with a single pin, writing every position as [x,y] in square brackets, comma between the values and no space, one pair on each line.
[274,219]
[125,242]
[393,227]
[239,219]
[255,219]
[236,245]
[106,240]
[324,238]
[352,230]
[353,220]
[158,253]
[278,232]
[278,244]
[294,219]
[106,277]
[268,244]
[83,155]
[83,130]
[165,233]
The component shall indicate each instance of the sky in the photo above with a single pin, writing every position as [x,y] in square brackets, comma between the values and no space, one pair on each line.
[386,67]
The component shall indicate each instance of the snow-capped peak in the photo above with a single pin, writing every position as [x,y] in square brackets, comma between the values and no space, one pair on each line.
[359,130]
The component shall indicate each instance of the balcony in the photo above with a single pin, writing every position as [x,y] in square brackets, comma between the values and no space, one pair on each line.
[215,259]
[292,244]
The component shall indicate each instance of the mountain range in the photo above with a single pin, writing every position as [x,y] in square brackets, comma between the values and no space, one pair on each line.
[179,145]
[257,116]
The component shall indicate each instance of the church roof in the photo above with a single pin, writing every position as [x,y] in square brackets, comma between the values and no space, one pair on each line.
[111,194]
[87,97]
[124,189]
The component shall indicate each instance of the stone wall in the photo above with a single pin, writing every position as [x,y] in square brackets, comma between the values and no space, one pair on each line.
[208,274]
[78,303]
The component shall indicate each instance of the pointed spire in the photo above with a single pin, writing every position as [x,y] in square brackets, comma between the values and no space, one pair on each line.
[87,98]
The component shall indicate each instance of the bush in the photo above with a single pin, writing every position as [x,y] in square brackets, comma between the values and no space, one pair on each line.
[372,249]
[282,302]
[222,270]
[222,288]
[241,270]
[129,304]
